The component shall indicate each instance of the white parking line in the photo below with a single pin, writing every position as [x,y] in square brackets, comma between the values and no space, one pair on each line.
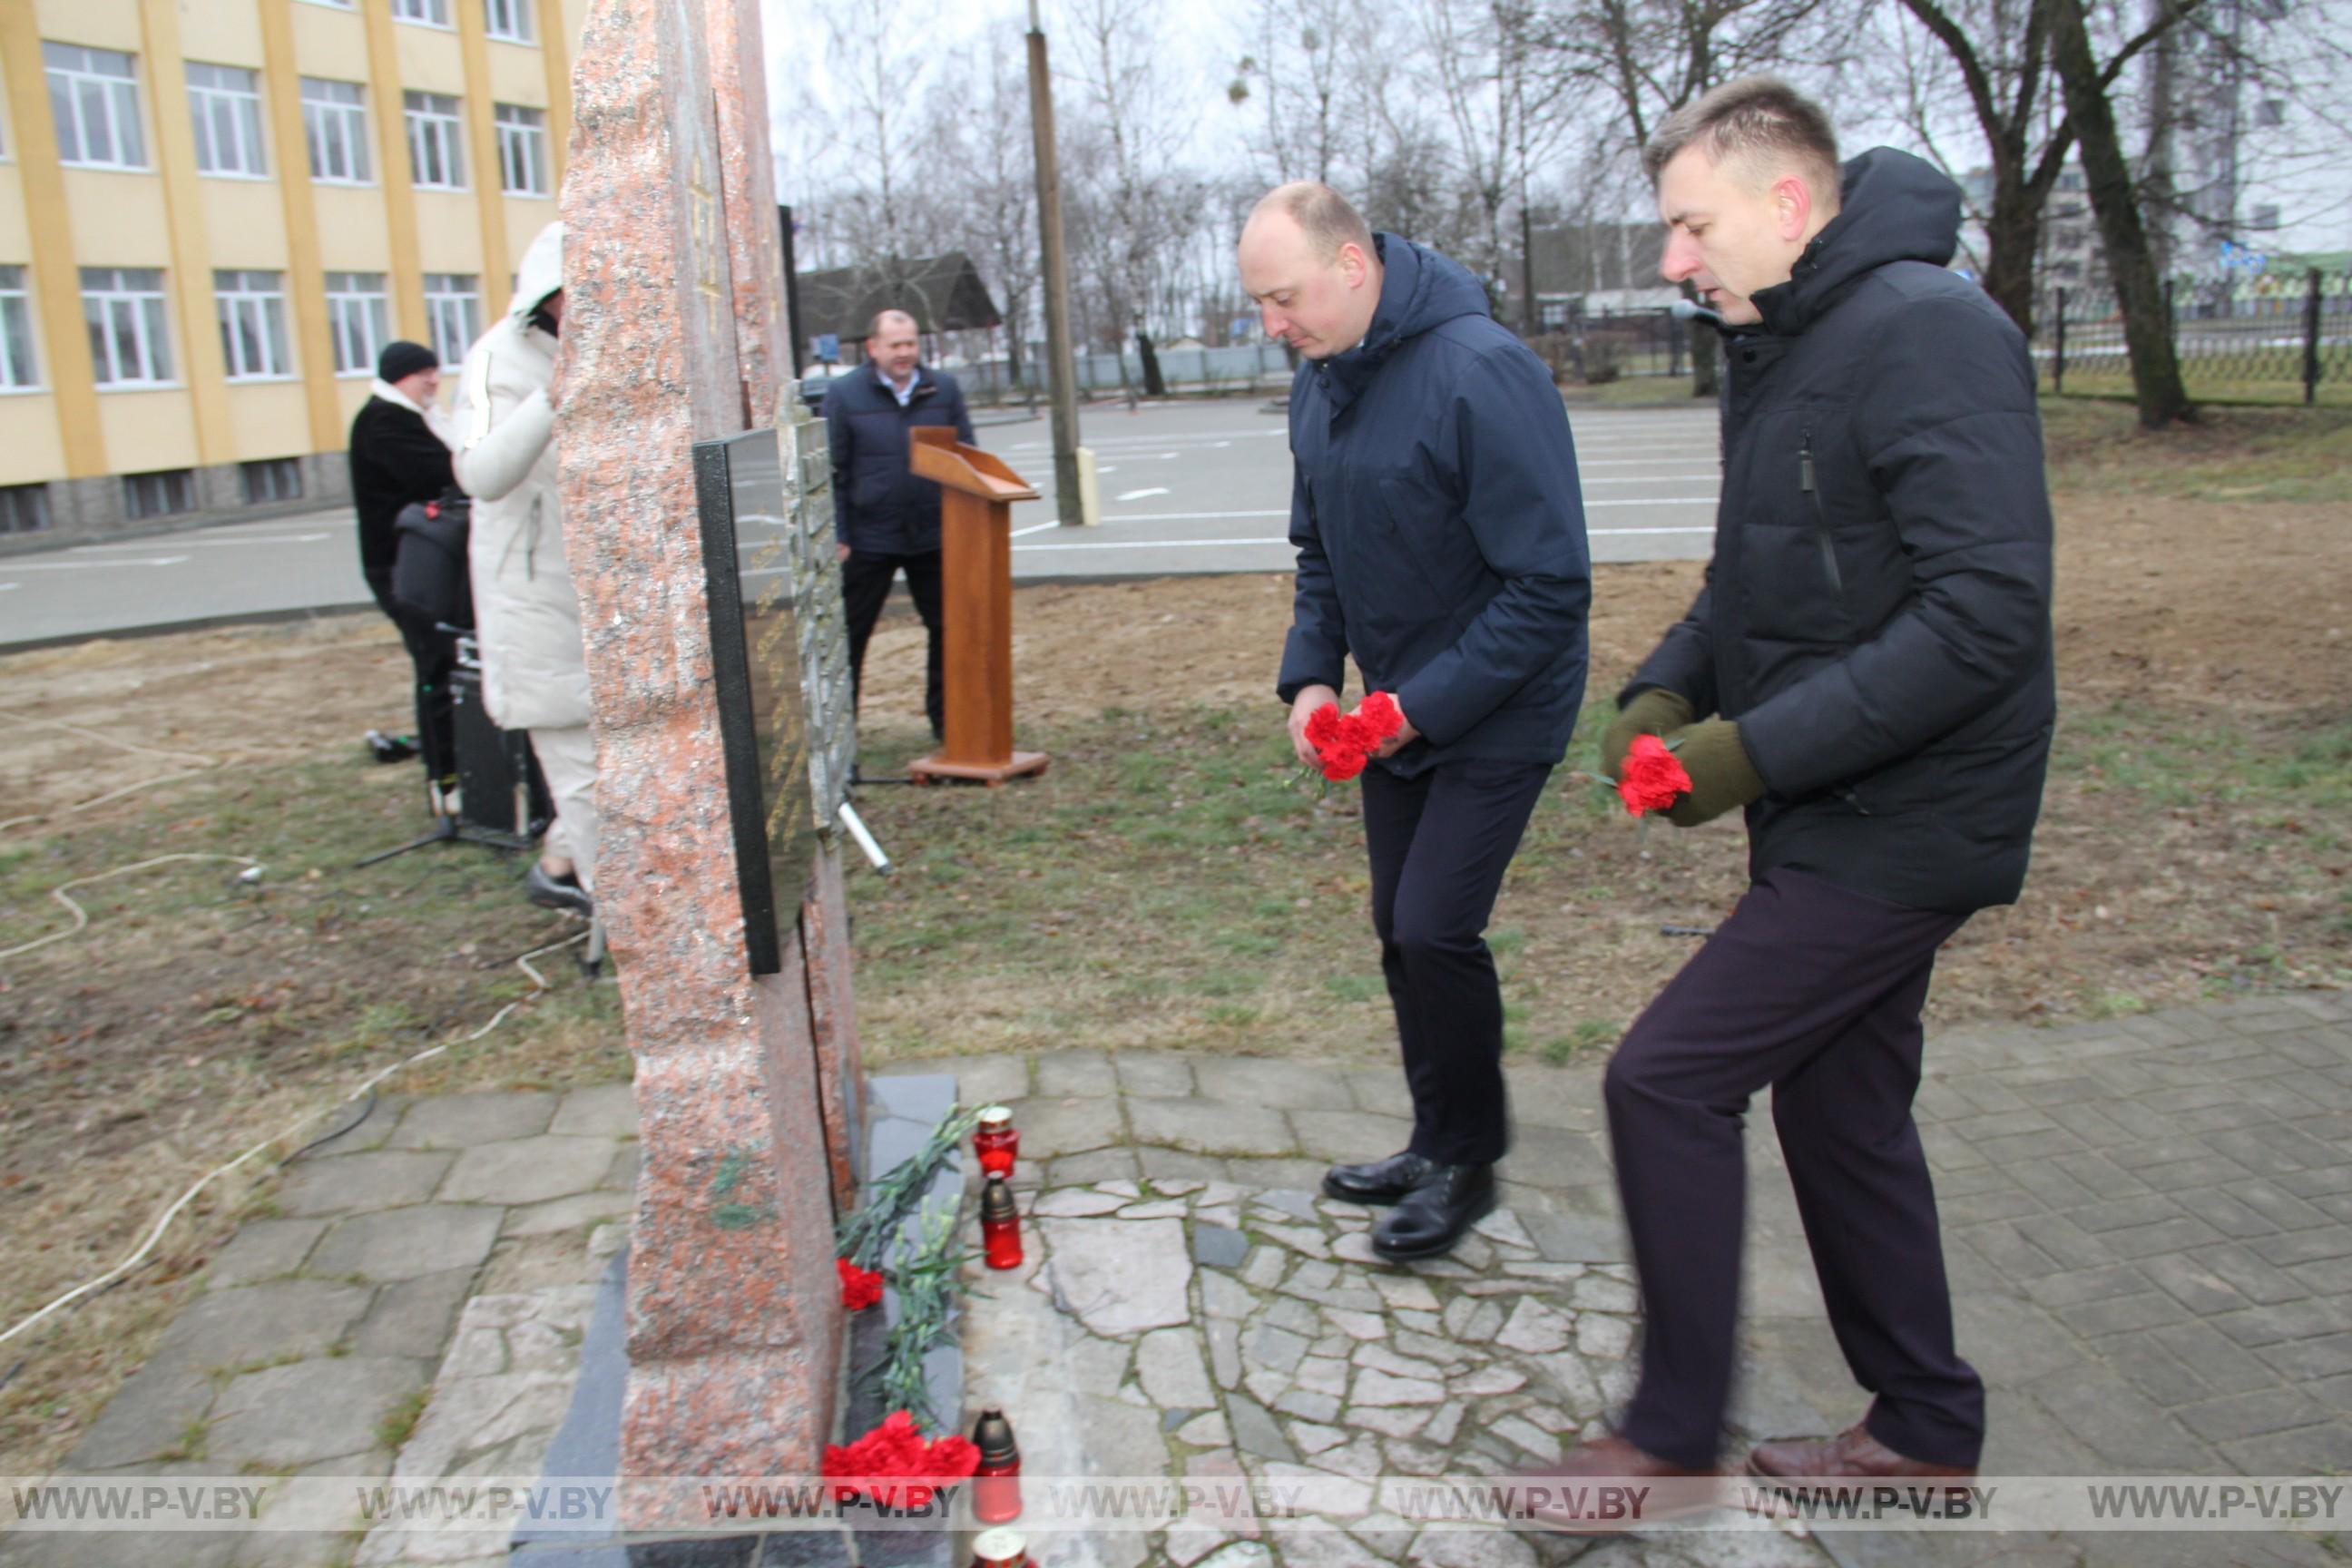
[234,542]
[1207,543]
[1140,495]
[96,566]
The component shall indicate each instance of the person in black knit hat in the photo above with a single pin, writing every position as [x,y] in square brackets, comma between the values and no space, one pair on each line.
[400,454]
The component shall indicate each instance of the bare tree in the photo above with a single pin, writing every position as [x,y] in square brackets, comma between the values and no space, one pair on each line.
[1299,74]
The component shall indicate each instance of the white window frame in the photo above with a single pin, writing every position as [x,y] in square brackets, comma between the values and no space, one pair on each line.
[453,312]
[509,21]
[336,127]
[436,141]
[227,119]
[522,148]
[252,310]
[83,87]
[122,308]
[422,13]
[20,369]
[359,320]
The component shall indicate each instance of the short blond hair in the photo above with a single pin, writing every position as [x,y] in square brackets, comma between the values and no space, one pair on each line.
[1759,119]
[1327,218]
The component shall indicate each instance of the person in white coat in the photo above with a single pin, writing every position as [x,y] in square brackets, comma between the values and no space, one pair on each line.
[527,614]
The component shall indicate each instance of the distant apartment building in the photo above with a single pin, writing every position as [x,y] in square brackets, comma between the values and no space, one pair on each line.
[213,215]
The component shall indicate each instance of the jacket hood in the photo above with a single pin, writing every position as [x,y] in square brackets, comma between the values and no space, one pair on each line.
[1896,207]
[1420,290]
[541,274]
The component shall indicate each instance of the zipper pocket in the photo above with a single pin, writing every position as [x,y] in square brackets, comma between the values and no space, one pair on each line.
[1821,516]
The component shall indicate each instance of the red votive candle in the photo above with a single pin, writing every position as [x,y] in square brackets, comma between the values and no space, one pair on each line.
[1000,1225]
[1000,1549]
[996,1484]
[996,1141]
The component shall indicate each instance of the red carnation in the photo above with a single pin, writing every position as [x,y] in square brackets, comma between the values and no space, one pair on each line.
[1651,779]
[895,1452]
[860,1288]
[1344,742]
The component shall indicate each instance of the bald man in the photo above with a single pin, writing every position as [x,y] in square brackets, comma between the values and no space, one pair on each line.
[1440,531]
[887,520]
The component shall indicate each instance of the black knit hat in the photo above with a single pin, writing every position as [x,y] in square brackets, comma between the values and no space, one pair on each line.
[401,358]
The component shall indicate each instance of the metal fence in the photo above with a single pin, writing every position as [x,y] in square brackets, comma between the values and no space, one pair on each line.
[2250,338]
[1240,367]
[1610,345]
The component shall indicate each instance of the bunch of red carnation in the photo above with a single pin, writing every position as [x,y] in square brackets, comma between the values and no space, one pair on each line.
[860,1288]
[1651,778]
[895,1467]
[1344,742]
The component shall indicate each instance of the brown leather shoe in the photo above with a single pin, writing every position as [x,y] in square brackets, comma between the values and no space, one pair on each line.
[1604,1486]
[1852,1453]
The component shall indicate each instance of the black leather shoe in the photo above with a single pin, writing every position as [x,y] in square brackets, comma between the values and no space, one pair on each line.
[1427,1221]
[562,892]
[1381,1182]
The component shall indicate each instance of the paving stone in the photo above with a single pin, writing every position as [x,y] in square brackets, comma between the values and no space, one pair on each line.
[1349,1135]
[2252,1276]
[1312,1547]
[577,1212]
[1523,1433]
[1117,1276]
[414,1317]
[2325,1449]
[401,1244]
[602,1110]
[1296,1316]
[1256,1431]
[1578,1237]
[1430,1347]
[361,1184]
[1296,1175]
[1211,1126]
[462,1121]
[1490,1379]
[1188,1541]
[1357,1325]
[1168,1363]
[1374,1387]
[1535,1329]
[628,1160]
[527,1170]
[1265,1267]
[1218,1246]
[1310,1406]
[2130,1433]
[1207,1430]
[2225,1366]
[1312,1438]
[1225,1354]
[1223,1297]
[1053,1130]
[1241,1554]
[1602,1338]
[1280,1085]
[307,1411]
[1320,1492]
[1163,1208]
[1597,1293]
[1388,1421]
[1402,1292]
[279,1321]
[1323,1374]
[1074,1203]
[1076,1169]
[263,1250]
[1306,1239]
[2122,1314]
[1471,1549]
[151,1414]
[1062,1074]
[1163,1076]
[1507,1229]
[1357,1248]
[2252,1414]
[2190,1283]
[1274,1348]
[2305,1361]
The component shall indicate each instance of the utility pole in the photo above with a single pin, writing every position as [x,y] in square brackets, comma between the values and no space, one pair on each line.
[1060,365]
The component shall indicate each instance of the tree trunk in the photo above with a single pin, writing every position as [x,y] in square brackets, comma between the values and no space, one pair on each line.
[1154,385]
[2139,295]
[2012,230]
[1707,360]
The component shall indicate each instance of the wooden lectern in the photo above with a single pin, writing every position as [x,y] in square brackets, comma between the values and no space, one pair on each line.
[976,593]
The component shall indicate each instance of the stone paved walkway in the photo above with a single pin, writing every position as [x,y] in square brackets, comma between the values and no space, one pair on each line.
[2148,1225]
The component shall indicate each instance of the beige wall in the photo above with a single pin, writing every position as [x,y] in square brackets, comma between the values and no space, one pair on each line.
[268,420]
[147,430]
[245,222]
[29,437]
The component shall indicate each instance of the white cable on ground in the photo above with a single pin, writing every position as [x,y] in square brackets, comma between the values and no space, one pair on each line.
[81,916]
[165,1219]
[206,763]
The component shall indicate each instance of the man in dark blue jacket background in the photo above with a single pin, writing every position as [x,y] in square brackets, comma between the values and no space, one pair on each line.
[885,520]
[1441,543]
[1868,672]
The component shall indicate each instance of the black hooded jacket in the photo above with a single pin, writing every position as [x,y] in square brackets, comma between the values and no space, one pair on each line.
[1439,524]
[1877,615]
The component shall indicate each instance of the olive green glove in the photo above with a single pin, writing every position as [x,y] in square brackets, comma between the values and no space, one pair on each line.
[1722,778]
[1654,710]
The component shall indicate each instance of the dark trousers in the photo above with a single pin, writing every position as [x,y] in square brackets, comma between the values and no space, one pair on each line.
[865,584]
[1439,843]
[1814,990]
[433,655]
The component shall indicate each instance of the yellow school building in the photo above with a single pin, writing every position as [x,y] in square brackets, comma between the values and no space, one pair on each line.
[214,213]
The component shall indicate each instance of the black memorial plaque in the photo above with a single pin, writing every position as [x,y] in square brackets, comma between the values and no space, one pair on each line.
[753,568]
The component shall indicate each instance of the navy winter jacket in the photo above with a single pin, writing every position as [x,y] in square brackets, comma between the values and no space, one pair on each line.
[1877,615]
[1439,524]
[879,506]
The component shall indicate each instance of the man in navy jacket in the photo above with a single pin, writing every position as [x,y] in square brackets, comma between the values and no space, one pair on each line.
[1441,544]
[885,518]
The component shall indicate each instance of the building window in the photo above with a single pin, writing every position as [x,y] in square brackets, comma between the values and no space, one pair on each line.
[253,325]
[357,310]
[435,142]
[226,103]
[453,306]
[158,494]
[129,345]
[17,370]
[522,148]
[334,121]
[507,19]
[2271,114]
[94,93]
[272,479]
[432,13]
[24,509]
